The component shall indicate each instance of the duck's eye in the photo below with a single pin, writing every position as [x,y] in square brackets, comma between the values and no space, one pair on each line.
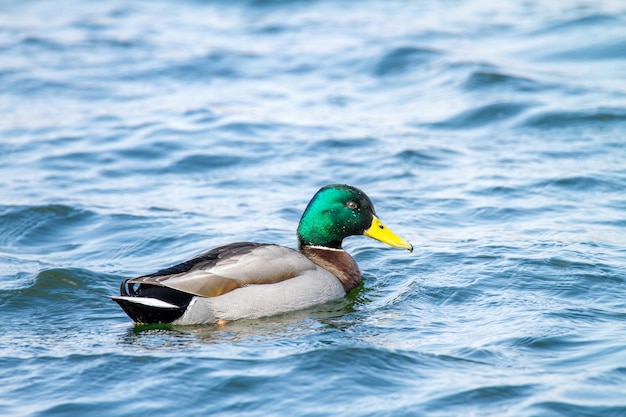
[352,205]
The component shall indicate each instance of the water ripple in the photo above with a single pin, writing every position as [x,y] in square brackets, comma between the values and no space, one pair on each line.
[402,60]
[493,113]
[496,80]
[559,119]
[41,227]
[489,134]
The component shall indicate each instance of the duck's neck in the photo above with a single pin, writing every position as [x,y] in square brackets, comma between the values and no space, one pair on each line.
[336,261]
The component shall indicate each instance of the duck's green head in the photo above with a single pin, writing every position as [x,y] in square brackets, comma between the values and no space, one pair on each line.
[338,211]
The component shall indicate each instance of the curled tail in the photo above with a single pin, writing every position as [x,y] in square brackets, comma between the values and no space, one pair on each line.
[152,303]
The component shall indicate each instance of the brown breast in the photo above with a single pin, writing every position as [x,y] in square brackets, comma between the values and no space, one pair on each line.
[337,262]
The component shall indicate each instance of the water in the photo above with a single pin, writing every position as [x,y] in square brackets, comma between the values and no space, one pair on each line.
[135,135]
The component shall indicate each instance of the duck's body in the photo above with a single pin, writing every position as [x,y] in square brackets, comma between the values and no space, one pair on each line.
[240,280]
[251,280]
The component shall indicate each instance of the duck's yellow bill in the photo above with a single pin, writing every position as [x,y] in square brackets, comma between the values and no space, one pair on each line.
[379,231]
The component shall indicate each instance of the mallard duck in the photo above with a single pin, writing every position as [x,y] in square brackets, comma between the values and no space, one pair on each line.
[251,280]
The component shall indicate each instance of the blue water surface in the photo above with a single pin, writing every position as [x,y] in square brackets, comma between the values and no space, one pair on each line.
[492,135]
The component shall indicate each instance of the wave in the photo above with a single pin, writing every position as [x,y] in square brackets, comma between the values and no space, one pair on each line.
[562,408]
[202,163]
[495,80]
[504,395]
[433,157]
[402,60]
[582,183]
[559,119]
[41,227]
[485,115]
[608,50]
[61,295]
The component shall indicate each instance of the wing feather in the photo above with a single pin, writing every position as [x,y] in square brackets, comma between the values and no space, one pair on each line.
[229,267]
